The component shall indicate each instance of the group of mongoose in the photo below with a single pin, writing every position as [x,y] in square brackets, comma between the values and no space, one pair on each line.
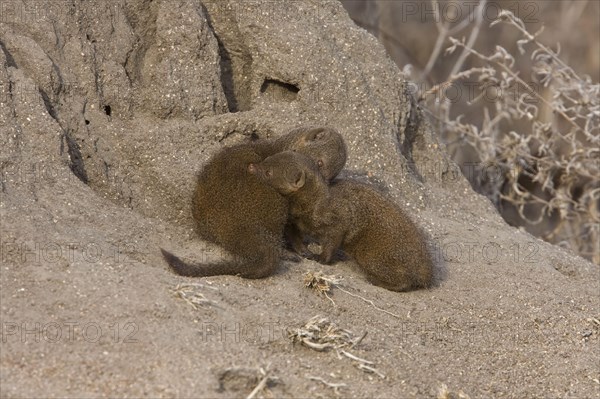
[252,198]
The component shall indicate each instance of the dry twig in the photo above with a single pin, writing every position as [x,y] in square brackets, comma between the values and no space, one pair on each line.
[323,284]
[191,294]
[334,386]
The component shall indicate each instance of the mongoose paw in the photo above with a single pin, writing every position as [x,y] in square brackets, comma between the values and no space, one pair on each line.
[308,255]
[300,248]
[324,259]
[304,252]
[291,257]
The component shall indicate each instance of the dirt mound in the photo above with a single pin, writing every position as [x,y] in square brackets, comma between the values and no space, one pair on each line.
[107,111]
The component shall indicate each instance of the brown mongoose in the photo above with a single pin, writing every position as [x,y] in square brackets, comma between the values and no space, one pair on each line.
[238,211]
[324,145]
[386,244]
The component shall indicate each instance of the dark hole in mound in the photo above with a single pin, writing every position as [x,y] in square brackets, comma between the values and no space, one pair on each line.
[274,90]
[107,110]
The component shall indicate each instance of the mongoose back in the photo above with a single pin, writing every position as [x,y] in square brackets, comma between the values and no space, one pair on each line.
[386,244]
[238,211]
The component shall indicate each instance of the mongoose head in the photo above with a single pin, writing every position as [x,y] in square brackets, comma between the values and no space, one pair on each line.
[286,171]
[324,145]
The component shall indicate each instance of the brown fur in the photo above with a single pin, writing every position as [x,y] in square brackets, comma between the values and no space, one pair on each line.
[238,211]
[386,244]
[324,145]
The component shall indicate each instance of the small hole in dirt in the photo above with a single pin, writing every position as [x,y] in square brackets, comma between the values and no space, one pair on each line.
[268,83]
[275,91]
[87,122]
[107,110]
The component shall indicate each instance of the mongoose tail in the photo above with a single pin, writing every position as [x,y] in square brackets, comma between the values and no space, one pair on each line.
[251,268]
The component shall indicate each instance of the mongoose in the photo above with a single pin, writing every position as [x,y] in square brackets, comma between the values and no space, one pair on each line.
[236,209]
[386,244]
[324,145]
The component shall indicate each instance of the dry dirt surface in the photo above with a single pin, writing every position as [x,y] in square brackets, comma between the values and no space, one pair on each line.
[107,110]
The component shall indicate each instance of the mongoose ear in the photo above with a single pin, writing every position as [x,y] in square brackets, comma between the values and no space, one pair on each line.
[299,180]
[320,134]
[314,134]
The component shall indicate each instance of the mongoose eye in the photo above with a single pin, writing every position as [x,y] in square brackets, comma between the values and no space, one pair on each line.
[268,173]
[320,163]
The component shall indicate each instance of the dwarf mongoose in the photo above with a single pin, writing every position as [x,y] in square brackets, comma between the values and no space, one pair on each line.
[385,243]
[235,209]
[324,145]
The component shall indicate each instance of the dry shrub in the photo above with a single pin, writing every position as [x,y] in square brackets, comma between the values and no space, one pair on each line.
[538,144]
[525,130]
